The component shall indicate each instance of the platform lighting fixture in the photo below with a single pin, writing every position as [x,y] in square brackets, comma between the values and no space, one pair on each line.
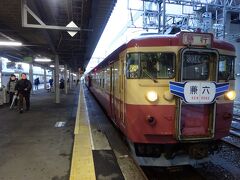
[42,60]
[72,24]
[10,43]
[52,66]
[4,59]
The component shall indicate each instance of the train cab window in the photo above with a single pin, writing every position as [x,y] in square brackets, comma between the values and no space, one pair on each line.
[195,66]
[150,65]
[133,65]
[226,67]
[157,65]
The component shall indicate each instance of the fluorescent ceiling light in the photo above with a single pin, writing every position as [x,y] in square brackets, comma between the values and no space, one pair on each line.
[4,59]
[72,24]
[52,66]
[10,43]
[42,60]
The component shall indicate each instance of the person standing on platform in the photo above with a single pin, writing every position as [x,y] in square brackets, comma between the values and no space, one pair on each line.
[36,83]
[11,88]
[51,84]
[61,85]
[23,88]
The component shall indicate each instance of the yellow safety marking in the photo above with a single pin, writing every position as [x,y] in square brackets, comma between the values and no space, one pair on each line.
[82,166]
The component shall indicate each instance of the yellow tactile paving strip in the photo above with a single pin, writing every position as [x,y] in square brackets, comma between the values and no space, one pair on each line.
[82,166]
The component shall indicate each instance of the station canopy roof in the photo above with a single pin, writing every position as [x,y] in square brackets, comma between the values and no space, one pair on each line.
[90,16]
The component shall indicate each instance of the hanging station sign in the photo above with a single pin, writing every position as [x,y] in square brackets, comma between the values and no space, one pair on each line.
[28,59]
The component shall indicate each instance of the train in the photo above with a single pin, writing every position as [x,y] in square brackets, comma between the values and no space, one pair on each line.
[170,95]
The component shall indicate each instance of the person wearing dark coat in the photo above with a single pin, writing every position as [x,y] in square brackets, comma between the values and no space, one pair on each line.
[23,88]
[61,85]
[36,83]
[11,88]
[51,84]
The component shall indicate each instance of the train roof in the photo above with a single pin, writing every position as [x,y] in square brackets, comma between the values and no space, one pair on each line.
[175,40]
[162,40]
[111,57]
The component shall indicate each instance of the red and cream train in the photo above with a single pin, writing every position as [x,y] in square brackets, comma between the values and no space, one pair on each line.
[171,95]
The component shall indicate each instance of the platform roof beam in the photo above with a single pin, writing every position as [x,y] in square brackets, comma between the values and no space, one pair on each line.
[42,25]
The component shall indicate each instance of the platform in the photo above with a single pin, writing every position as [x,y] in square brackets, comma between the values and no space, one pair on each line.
[71,140]
[32,144]
[109,154]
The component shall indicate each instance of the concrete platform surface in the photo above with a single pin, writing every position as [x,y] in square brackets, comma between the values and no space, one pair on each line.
[31,146]
[112,158]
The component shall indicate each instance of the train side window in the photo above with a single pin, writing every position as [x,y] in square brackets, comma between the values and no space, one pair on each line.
[132,65]
[226,67]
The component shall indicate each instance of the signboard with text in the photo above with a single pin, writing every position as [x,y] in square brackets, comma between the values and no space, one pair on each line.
[196,39]
[28,59]
[198,92]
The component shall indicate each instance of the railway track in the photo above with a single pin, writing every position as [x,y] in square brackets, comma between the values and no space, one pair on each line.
[235,126]
[234,138]
[186,172]
[232,141]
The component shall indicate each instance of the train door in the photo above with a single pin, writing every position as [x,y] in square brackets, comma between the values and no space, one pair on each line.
[121,89]
[199,69]
[112,93]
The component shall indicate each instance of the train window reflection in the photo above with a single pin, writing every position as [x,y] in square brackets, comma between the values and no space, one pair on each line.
[226,68]
[151,65]
[195,66]
[133,65]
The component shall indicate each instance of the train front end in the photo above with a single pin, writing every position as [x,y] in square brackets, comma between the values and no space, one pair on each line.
[179,94]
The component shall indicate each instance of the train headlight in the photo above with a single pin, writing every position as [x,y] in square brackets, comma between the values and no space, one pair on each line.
[231,95]
[152,96]
[168,96]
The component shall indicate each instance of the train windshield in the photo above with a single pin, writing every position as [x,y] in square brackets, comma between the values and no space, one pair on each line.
[226,67]
[150,65]
[196,66]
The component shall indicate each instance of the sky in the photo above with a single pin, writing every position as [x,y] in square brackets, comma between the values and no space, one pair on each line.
[118,29]
[109,34]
